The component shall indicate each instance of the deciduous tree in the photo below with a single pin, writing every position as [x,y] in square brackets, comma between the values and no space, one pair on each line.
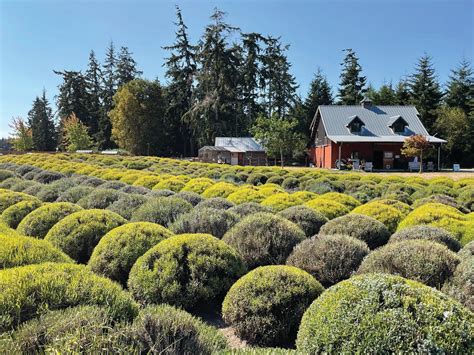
[415,146]
[75,134]
[22,137]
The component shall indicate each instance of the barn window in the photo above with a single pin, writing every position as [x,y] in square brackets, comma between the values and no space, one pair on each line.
[355,124]
[397,124]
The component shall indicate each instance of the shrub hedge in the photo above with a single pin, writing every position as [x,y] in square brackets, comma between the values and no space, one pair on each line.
[38,222]
[185,270]
[161,210]
[9,198]
[266,305]
[28,291]
[388,215]
[330,209]
[421,260]
[101,198]
[215,202]
[281,201]
[432,234]
[263,239]
[78,234]
[329,258]
[13,215]
[306,218]
[248,208]
[386,314]
[118,250]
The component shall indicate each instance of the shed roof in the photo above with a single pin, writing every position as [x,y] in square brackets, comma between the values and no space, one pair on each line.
[377,121]
[239,144]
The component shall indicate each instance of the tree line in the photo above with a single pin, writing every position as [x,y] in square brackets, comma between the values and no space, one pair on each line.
[229,83]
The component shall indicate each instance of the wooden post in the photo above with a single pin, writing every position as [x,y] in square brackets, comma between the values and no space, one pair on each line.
[439,157]
[340,145]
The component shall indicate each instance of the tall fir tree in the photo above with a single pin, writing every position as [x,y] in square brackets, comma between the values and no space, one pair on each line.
[214,110]
[385,95]
[352,85]
[425,91]
[126,67]
[93,77]
[319,94]
[109,88]
[73,96]
[460,88]
[181,72]
[41,122]
[278,83]
[402,93]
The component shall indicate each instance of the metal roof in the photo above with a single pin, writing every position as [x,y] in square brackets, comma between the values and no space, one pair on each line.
[239,144]
[377,121]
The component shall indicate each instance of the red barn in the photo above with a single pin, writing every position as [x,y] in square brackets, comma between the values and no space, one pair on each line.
[365,133]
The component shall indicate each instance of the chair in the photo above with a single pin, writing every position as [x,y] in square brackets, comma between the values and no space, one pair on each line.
[368,166]
[413,166]
[430,166]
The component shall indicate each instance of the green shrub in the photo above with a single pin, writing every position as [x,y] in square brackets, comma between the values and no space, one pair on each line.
[23,185]
[263,239]
[266,305]
[9,198]
[216,202]
[386,314]
[72,330]
[100,198]
[388,215]
[118,250]
[256,179]
[29,291]
[47,177]
[442,216]
[147,181]
[268,190]
[10,182]
[403,208]
[466,199]
[78,233]
[127,204]
[221,189]
[330,209]
[348,201]
[445,200]
[276,180]
[75,193]
[322,185]
[13,215]
[305,195]
[329,258]
[185,270]
[114,185]
[460,285]
[306,218]
[191,197]
[161,210]
[5,174]
[421,260]
[160,193]
[205,220]
[139,190]
[281,201]
[245,194]
[290,183]
[164,329]
[432,234]
[198,185]
[38,222]
[365,228]
[49,193]
[248,208]
[19,251]
[174,184]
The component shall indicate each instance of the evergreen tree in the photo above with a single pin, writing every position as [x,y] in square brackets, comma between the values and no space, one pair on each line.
[74,97]
[126,67]
[352,86]
[402,93]
[385,95]
[40,120]
[103,136]
[181,72]
[425,91]
[279,84]
[461,87]
[319,94]
[214,110]
[93,79]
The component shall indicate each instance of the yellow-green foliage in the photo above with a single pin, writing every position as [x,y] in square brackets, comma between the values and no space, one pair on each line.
[386,314]
[330,209]
[403,208]
[147,181]
[266,305]
[270,189]
[19,251]
[38,222]
[348,201]
[13,215]
[185,270]
[221,189]
[305,195]
[131,177]
[78,233]
[388,215]
[245,194]
[198,185]
[9,198]
[174,183]
[28,291]
[280,201]
[442,216]
[118,250]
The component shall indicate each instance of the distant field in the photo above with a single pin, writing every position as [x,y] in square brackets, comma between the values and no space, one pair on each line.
[129,249]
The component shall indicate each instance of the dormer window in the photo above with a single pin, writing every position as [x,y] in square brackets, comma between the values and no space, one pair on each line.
[397,124]
[355,124]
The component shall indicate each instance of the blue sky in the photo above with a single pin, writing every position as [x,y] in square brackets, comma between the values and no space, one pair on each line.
[388,35]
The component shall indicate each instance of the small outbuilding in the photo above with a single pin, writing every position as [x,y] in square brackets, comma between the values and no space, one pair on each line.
[234,151]
[365,133]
